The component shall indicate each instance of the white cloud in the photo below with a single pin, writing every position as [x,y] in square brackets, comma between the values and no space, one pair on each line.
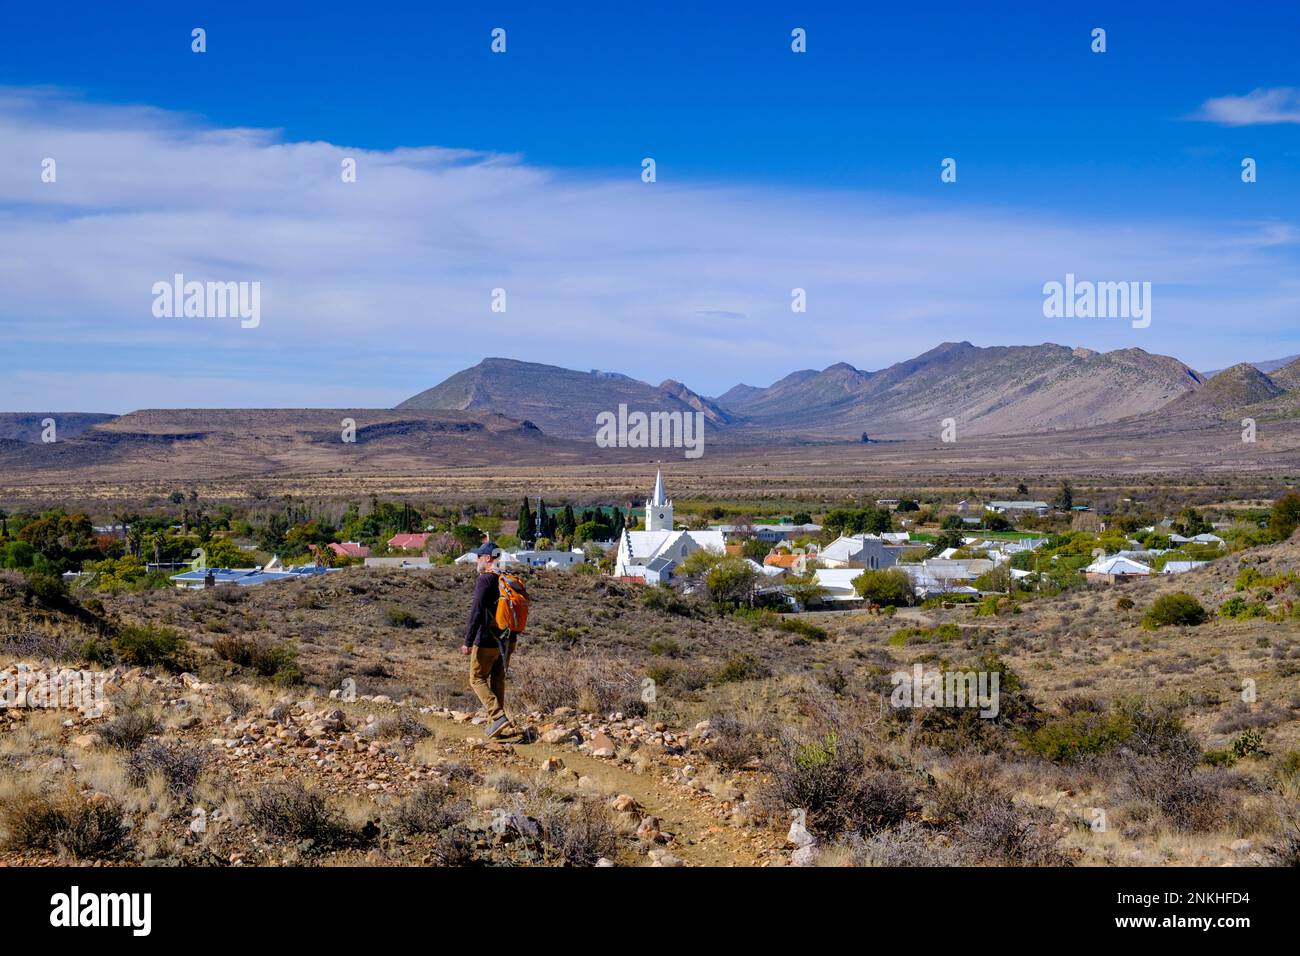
[382,287]
[1280,104]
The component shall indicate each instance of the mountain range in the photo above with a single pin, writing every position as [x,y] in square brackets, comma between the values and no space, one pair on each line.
[1001,390]
[1038,399]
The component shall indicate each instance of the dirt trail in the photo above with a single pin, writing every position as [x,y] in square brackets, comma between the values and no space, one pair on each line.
[700,838]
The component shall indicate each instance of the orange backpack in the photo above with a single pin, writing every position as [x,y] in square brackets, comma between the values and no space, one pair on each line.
[512,604]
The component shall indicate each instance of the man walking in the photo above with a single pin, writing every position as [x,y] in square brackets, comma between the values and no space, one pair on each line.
[484,645]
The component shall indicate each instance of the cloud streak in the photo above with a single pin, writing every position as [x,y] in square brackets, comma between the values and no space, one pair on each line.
[1259,107]
[382,287]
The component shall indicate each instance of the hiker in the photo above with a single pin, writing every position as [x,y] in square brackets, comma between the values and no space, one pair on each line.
[483,642]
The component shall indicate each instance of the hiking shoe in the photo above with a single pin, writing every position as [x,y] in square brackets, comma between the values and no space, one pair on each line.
[498,725]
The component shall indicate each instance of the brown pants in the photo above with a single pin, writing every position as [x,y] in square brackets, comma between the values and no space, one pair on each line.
[487,678]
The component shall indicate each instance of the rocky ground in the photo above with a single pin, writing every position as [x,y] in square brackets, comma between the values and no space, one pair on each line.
[760,745]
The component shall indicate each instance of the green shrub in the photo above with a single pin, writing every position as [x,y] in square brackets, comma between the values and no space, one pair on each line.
[278,661]
[1178,608]
[149,646]
[1238,608]
[742,667]
[1077,735]
[664,647]
[804,628]
[400,617]
[924,635]
[834,781]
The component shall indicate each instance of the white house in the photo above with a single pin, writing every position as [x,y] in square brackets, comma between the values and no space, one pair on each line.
[654,553]
[1114,569]
[1181,567]
[768,532]
[1002,507]
[858,551]
[838,584]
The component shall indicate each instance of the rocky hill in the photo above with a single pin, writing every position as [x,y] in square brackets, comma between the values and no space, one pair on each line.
[560,401]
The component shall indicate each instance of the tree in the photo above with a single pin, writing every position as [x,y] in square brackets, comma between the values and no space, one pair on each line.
[755,548]
[468,536]
[1285,516]
[525,522]
[224,553]
[1190,523]
[730,581]
[568,522]
[948,538]
[804,589]
[889,587]
[1022,489]
[1065,497]
[801,517]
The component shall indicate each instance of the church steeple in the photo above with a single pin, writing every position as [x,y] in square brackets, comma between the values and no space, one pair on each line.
[659,509]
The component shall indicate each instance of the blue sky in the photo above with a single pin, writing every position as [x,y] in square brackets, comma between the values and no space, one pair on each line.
[522,171]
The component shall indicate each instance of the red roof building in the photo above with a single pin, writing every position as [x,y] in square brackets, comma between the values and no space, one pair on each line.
[408,542]
[349,549]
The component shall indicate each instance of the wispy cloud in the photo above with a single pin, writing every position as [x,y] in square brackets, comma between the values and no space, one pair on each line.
[1280,104]
[384,286]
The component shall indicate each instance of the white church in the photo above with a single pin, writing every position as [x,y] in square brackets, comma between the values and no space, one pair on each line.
[654,553]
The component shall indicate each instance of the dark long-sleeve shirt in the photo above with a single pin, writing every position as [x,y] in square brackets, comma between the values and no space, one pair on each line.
[482,628]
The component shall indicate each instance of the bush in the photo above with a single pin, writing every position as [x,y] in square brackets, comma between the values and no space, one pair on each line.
[805,629]
[1001,830]
[662,597]
[400,617]
[742,667]
[275,660]
[149,646]
[47,589]
[735,741]
[1124,604]
[1178,608]
[1077,735]
[1238,608]
[582,832]
[922,635]
[178,764]
[83,826]
[129,729]
[833,782]
[430,809]
[288,810]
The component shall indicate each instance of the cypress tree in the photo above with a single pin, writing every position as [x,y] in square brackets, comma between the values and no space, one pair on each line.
[525,522]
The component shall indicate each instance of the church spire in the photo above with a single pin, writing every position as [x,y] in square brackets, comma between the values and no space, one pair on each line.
[659,510]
